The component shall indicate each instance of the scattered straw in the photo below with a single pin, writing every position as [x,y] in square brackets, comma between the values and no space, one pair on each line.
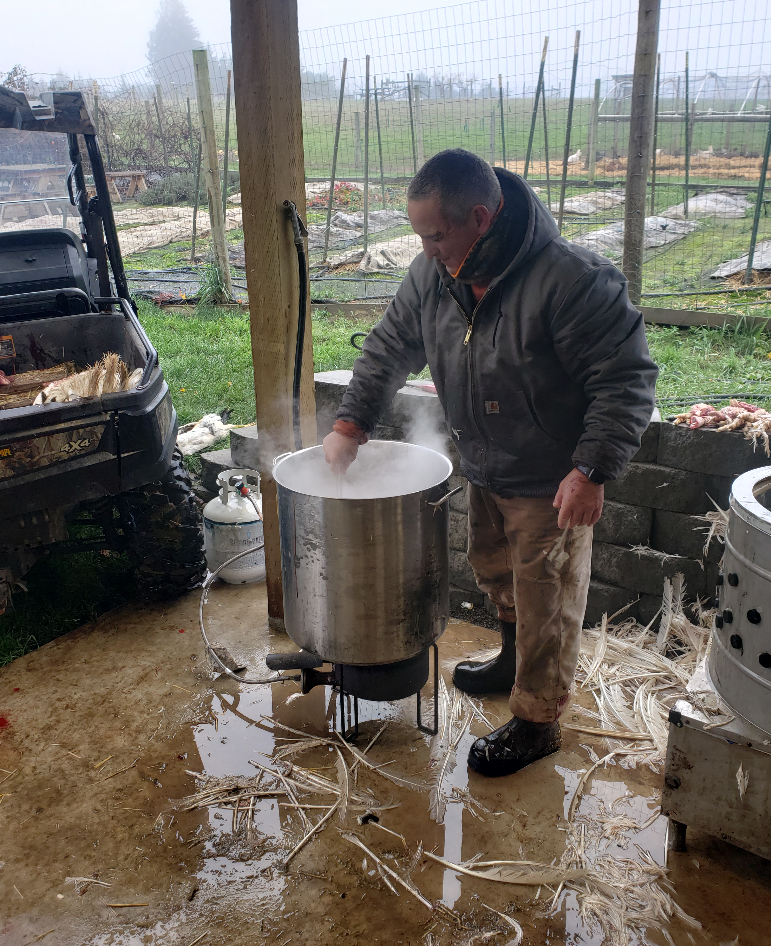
[100,764]
[120,771]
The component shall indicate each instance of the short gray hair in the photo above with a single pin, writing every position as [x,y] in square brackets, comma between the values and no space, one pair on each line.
[460,180]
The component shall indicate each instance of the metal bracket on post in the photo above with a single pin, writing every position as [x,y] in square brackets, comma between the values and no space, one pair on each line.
[421,727]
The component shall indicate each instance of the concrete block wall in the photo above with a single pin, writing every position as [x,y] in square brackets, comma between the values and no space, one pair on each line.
[649,528]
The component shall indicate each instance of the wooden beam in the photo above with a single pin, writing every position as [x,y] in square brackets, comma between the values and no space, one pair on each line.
[694,317]
[639,153]
[266,73]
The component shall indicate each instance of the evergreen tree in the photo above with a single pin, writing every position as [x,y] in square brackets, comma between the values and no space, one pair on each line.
[174,32]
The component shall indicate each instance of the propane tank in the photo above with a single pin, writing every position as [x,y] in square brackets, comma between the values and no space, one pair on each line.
[232,522]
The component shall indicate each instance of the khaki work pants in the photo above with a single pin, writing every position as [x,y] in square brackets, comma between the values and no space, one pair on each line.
[537,575]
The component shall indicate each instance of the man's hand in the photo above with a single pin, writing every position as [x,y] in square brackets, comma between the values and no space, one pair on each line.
[578,500]
[340,451]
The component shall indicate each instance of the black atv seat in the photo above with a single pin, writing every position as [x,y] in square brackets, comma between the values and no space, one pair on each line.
[36,260]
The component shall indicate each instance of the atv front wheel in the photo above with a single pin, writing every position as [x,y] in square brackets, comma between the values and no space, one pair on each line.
[162,525]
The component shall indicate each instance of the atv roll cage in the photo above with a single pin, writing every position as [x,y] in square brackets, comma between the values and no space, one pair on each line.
[67,113]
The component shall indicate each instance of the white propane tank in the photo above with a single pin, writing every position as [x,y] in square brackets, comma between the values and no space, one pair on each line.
[232,522]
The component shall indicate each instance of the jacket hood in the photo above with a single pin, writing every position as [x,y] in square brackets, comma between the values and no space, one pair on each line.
[521,230]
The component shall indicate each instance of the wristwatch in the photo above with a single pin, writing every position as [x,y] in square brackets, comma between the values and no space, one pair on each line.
[591,473]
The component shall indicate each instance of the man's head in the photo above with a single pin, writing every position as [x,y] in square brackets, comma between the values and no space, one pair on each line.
[451,202]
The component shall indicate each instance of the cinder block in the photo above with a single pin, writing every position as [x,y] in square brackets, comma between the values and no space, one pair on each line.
[663,487]
[244,448]
[645,571]
[706,451]
[607,599]
[623,524]
[461,574]
[458,531]
[212,464]
[649,444]
[678,534]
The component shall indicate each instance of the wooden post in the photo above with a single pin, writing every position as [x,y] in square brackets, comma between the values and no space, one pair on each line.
[380,150]
[266,71]
[209,143]
[418,127]
[334,159]
[639,150]
[594,126]
[357,139]
[534,116]
[655,133]
[225,154]
[571,101]
[503,120]
[366,157]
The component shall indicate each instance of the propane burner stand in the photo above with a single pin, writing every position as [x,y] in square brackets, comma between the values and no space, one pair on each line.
[376,682]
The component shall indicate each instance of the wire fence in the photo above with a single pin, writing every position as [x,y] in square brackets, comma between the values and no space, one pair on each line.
[381,96]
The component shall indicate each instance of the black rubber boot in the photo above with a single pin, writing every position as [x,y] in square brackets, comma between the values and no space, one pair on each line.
[513,746]
[492,676]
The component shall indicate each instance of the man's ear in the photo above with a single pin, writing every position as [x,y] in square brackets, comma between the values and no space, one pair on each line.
[483,218]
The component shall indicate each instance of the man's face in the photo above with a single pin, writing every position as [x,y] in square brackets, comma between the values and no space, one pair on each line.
[442,239]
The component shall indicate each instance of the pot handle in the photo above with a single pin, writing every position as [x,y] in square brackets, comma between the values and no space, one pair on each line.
[444,499]
[281,456]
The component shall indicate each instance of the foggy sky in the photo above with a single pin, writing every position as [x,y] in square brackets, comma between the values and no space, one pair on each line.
[106,38]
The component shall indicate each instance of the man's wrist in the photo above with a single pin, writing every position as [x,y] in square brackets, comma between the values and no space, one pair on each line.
[348,429]
[591,473]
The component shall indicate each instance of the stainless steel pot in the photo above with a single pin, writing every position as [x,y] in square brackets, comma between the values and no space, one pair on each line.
[740,659]
[365,578]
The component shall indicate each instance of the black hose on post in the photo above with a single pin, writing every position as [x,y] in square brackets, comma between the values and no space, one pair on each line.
[297,230]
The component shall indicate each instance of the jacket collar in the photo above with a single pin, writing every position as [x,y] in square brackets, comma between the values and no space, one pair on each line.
[521,228]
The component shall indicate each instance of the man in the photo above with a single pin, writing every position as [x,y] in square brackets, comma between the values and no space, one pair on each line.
[542,368]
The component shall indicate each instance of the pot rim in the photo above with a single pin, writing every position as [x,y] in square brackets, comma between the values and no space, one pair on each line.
[286,457]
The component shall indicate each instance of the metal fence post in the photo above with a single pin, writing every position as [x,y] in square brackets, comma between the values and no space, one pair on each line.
[546,152]
[534,116]
[639,150]
[594,126]
[418,127]
[379,148]
[366,156]
[655,133]
[687,141]
[492,137]
[206,122]
[412,126]
[503,120]
[334,159]
[571,101]
[357,139]
[758,205]
[227,149]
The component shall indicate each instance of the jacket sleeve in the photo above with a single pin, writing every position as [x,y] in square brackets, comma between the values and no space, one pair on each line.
[391,352]
[599,337]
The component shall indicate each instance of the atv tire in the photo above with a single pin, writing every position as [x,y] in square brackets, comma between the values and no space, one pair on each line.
[162,526]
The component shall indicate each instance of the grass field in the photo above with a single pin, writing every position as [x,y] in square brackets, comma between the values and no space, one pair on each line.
[206,358]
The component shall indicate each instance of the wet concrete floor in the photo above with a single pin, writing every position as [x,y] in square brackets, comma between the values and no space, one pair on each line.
[101,728]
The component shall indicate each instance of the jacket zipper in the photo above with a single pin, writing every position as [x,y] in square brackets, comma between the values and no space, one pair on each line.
[466,341]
